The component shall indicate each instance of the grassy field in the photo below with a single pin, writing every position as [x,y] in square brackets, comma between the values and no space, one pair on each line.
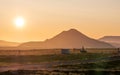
[111,65]
[49,58]
[99,68]
[85,68]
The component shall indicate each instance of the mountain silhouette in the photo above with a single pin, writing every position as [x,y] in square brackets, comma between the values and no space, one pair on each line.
[8,44]
[113,40]
[67,39]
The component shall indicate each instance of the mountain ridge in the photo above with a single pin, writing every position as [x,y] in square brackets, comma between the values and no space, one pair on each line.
[68,39]
[113,40]
[8,44]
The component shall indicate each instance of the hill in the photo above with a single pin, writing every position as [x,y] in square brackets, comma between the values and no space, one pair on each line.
[113,40]
[67,39]
[8,44]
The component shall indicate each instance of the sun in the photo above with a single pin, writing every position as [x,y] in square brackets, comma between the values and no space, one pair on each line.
[19,22]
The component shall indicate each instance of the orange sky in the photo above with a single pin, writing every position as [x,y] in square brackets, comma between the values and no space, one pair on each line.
[46,18]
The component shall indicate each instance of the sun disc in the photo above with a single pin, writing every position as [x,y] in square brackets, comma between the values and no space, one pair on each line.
[19,22]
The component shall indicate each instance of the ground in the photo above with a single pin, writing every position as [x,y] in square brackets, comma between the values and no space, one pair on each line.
[68,63]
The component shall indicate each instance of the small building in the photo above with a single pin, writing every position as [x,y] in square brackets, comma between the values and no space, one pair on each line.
[76,51]
[65,51]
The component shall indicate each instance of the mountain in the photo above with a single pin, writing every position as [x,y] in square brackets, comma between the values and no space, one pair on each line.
[67,39]
[113,40]
[8,44]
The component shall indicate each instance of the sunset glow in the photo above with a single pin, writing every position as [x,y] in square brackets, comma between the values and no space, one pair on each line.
[38,20]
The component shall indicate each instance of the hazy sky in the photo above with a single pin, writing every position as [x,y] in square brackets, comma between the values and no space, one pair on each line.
[46,18]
